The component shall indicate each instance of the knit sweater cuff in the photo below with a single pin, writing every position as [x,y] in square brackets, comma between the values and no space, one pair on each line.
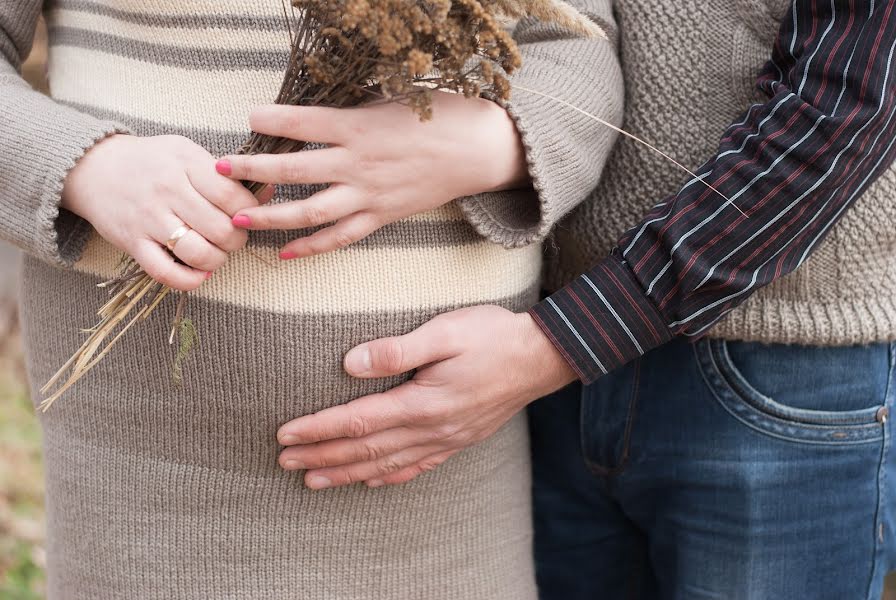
[42,142]
[565,150]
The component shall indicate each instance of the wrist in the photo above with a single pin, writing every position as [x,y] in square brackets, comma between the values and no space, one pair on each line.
[76,196]
[504,150]
[555,371]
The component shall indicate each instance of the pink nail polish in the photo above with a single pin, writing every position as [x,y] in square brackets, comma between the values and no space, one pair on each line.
[241,221]
[208,275]
[223,167]
[287,255]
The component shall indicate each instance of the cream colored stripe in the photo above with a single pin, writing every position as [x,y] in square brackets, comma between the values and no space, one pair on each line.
[213,39]
[261,8]
[355,280]
[216,100]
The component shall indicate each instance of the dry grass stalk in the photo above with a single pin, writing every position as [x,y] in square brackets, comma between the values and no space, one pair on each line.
[343,52]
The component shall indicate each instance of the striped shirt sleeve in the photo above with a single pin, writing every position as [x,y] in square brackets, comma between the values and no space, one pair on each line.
[788,169]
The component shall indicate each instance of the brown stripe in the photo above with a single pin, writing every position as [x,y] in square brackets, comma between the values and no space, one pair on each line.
[404,234]
[180,21]
[185,57]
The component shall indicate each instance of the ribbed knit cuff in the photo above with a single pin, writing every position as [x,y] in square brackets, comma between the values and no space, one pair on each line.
[41,142]
[602,320]
[565,150]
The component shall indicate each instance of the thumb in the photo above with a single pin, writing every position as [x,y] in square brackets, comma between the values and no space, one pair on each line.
[395,355]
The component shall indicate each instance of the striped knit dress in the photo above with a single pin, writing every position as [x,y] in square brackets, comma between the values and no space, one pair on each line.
[160,491]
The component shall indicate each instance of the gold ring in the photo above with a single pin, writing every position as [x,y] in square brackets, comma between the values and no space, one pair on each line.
[176,236]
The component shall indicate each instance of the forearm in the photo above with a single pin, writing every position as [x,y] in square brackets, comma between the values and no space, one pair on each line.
[790,167]
[40,142]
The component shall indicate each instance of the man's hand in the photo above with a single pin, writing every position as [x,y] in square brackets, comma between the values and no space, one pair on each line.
[477,367]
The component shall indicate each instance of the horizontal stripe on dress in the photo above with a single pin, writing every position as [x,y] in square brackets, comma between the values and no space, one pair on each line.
[212,38]
[265,15]
[183,56]
[179,97]
[356,279]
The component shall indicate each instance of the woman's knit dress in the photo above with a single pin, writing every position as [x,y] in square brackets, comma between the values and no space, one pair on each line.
[160,491]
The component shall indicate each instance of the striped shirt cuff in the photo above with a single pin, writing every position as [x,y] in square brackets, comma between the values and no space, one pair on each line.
[602,320]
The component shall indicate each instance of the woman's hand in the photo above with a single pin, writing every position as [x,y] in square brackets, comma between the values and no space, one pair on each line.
[137,191]
[382,162]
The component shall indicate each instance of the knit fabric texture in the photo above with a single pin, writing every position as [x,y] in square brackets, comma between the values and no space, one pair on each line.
[690,69]
[160,491]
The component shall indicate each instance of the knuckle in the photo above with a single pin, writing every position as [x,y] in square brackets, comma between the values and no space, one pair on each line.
[312,215]
[162,187]
[293,171]
[233,240]
[322,461]
[390,356]
[243,169]
[346,476]
[343,239]
[445,431]
[389,464]
[366,162]
[356,426]
[427,412]
[368,453]
[428,465]
[292,121]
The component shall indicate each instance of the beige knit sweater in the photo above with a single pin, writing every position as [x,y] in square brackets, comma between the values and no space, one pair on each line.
[155,491]
[690,68]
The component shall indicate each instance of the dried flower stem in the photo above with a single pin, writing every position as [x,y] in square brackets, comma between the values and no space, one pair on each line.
[606,123]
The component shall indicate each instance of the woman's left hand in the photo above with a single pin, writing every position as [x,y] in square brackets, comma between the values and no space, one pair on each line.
[382,163]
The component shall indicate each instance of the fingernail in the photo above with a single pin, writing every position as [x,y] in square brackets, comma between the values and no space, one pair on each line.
[358,361]
[319,482]
[208,275]
[241,221]
[375,483]
[292,465]
[288,440]
[287,255]
[224,167]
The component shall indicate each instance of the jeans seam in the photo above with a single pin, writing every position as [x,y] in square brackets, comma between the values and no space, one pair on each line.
[862,433]
[597,469]
[743,389]
[882,483]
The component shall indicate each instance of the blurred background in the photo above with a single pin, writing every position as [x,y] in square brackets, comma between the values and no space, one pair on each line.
[22,557]
[21,473]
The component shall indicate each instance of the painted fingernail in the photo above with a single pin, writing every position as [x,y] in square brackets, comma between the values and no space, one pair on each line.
[224,167]
[319,482]
[375,483]
[208,275]
[358,361]
[288,440]
[287,255]
[241,221]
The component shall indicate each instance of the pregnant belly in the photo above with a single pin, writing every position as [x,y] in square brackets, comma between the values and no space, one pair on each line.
[271,340]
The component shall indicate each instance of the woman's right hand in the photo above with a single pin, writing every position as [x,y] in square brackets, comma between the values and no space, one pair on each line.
[137,191]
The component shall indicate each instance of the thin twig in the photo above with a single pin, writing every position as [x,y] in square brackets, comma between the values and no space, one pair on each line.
[634,137]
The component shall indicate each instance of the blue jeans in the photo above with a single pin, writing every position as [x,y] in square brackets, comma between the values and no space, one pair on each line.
[719,470]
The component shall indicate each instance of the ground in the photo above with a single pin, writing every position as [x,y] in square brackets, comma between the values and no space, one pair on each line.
[21,479]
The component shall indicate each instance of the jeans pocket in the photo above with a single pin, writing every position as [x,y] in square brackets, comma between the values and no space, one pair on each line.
[813,395]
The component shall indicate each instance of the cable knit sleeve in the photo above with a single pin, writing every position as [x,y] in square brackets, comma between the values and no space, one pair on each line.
[565,150]
[40,142]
